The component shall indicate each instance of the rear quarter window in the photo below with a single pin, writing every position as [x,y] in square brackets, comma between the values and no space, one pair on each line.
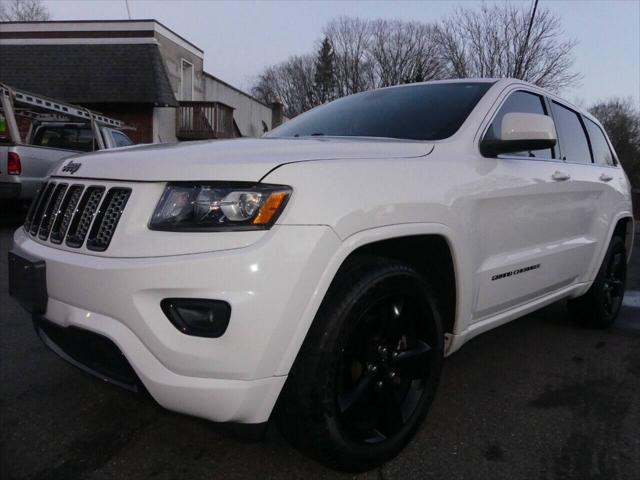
[602,154]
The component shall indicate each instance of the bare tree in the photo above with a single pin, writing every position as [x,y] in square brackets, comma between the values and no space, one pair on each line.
[492,42]
[402,52]
[362,55]
[350,39]
[291,82]
[23,11]
[621,119]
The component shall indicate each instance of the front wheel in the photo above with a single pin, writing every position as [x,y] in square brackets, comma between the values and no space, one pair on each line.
[599,307]
[368,370]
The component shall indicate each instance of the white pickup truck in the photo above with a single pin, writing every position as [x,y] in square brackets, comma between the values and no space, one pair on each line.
[54,133]
[322,273]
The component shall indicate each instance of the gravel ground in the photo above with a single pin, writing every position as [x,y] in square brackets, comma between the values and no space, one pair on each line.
[539,398]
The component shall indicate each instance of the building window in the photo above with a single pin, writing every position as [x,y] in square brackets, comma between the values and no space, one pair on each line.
[186,80]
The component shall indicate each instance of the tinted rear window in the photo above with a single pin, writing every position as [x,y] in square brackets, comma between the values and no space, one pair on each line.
[416,112]
[67,138]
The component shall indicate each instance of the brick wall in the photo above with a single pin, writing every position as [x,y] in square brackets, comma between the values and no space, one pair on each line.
[23,127]
[139,116]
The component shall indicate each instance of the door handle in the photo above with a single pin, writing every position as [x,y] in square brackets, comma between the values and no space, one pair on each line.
[605,178]
[559,176]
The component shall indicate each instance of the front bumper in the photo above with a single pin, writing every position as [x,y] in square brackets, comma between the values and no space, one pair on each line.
[89,351]
[234,378]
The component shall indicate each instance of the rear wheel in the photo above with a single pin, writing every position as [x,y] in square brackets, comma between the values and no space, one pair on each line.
[368,369]
[600,306]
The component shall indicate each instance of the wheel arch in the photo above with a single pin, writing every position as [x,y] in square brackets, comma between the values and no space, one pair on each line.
[431,256]
[625,227]
[622,224]
[385,241]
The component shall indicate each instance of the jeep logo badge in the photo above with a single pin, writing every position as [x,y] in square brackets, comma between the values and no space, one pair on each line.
[71,167]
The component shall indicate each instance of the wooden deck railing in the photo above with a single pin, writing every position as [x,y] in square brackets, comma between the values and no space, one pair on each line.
[204,120]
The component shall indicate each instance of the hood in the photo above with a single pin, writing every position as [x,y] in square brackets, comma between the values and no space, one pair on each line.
[227,160]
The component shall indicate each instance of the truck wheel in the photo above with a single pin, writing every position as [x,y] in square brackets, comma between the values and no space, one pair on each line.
[368,369]
[599,307]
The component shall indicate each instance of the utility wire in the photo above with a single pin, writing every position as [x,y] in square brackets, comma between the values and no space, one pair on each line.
[526,39]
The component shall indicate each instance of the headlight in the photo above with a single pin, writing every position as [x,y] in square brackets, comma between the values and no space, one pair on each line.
[219,206]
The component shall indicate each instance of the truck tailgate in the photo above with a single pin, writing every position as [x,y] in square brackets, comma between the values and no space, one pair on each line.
[35,164]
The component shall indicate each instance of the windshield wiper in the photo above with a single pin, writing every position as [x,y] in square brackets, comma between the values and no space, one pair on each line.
[297,135]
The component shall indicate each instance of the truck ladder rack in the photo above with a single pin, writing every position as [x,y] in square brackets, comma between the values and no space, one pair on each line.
[41,103]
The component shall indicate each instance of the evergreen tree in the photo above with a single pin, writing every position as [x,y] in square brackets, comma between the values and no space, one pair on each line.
[418,74]
[325,79]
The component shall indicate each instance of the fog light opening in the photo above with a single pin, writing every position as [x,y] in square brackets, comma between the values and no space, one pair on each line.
[198,317]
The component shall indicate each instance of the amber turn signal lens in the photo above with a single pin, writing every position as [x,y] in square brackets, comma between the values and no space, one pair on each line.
[270,208]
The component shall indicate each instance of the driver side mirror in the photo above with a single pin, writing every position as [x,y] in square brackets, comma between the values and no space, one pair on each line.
[520,132]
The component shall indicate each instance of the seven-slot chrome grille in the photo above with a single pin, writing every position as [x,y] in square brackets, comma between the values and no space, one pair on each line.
[72,213]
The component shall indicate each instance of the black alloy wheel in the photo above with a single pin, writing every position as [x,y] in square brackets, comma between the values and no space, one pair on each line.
[368,369]
[384,369]
[600,306]
[614,283]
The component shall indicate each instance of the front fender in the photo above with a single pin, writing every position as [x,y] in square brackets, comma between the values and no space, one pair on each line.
[350,245]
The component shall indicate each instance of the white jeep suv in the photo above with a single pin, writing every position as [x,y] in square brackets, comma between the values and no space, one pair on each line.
[321,273]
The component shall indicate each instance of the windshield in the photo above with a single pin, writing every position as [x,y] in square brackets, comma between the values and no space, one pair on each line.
[417,112]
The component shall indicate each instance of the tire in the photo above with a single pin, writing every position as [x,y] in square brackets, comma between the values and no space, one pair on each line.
[599,307]
[368,369]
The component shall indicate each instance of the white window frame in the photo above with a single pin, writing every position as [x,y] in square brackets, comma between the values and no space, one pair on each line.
[182,62]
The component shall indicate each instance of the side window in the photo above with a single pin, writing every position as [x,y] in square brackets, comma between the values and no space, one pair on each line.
[601,152]
[573,140]
[120,139]
[520,102]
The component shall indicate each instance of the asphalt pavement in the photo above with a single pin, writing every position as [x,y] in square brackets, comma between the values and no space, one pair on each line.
[539,398]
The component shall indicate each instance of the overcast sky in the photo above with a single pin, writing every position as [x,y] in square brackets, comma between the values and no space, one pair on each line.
[240,38]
